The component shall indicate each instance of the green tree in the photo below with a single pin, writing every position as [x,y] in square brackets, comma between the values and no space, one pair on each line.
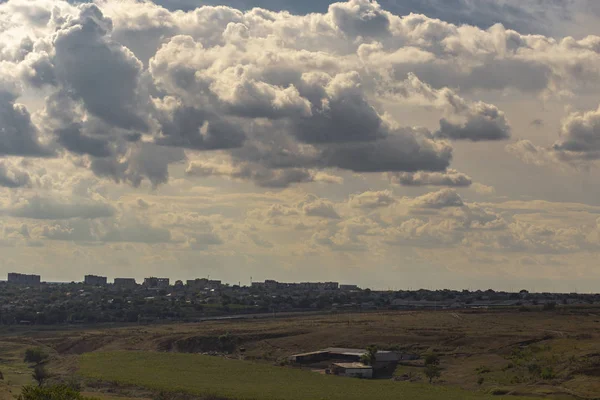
[370,356]
[35,355]
[40,374]
[432,372]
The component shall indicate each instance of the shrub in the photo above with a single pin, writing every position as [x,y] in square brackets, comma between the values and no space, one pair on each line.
[534,369]
[480,380]
[499,391]
[548,373]
[40,374]
[432,359]
[549,306]
[35,355]
[508,366]
[432,372]
[58,392]
[370,356]
[227,342]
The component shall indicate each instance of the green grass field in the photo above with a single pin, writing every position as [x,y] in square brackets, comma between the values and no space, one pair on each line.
[242,380]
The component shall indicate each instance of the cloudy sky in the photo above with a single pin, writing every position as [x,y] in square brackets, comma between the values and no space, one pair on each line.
[400,144]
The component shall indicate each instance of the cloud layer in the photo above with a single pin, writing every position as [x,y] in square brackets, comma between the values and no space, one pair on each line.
[283,96]
[359,136]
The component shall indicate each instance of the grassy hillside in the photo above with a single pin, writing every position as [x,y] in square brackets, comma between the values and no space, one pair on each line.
[236,379]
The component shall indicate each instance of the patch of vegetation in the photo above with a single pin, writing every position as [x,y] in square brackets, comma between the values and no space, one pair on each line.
[482,370]
[370,356]
[432,359]
[499,391]
[548,373]
[236,379]
[227,342]
[40,374]
[56,392]
[432,372]
[35,355]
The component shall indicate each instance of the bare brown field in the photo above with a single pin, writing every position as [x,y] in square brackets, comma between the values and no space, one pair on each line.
[554,354]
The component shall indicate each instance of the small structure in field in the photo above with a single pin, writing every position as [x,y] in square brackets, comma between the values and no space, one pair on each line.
[384,364]
[346,355]
[352,369]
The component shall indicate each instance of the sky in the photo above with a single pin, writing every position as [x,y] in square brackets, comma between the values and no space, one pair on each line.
[403,144]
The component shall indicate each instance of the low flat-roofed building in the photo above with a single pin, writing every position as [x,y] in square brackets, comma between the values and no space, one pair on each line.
[310,357]
[345,354]
[352,369]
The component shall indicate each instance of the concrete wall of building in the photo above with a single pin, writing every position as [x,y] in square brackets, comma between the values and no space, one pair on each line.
[359,373]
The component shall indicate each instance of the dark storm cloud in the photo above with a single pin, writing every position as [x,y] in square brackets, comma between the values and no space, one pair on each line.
[487,124]
[133,164]
[73,140]
[398,152]
[201,130]
[348,118]
[100,72]
[18,135]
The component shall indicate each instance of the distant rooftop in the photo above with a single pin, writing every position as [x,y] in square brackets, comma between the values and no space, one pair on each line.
[353,365]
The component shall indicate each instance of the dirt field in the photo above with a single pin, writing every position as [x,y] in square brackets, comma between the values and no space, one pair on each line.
[547,353]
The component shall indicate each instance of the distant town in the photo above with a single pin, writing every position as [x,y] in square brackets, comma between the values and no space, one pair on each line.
[27,300]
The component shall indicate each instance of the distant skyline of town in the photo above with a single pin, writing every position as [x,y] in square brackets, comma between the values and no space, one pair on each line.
[257,283]
[100,280]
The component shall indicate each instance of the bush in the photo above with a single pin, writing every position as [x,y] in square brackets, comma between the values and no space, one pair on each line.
[370,356]
[58,392]
[40,374]
[480,380]
[227,342]
[432,359]
[534,369]
[35,355]
[432,372]
[508,366]
[549,306]
[548,373]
